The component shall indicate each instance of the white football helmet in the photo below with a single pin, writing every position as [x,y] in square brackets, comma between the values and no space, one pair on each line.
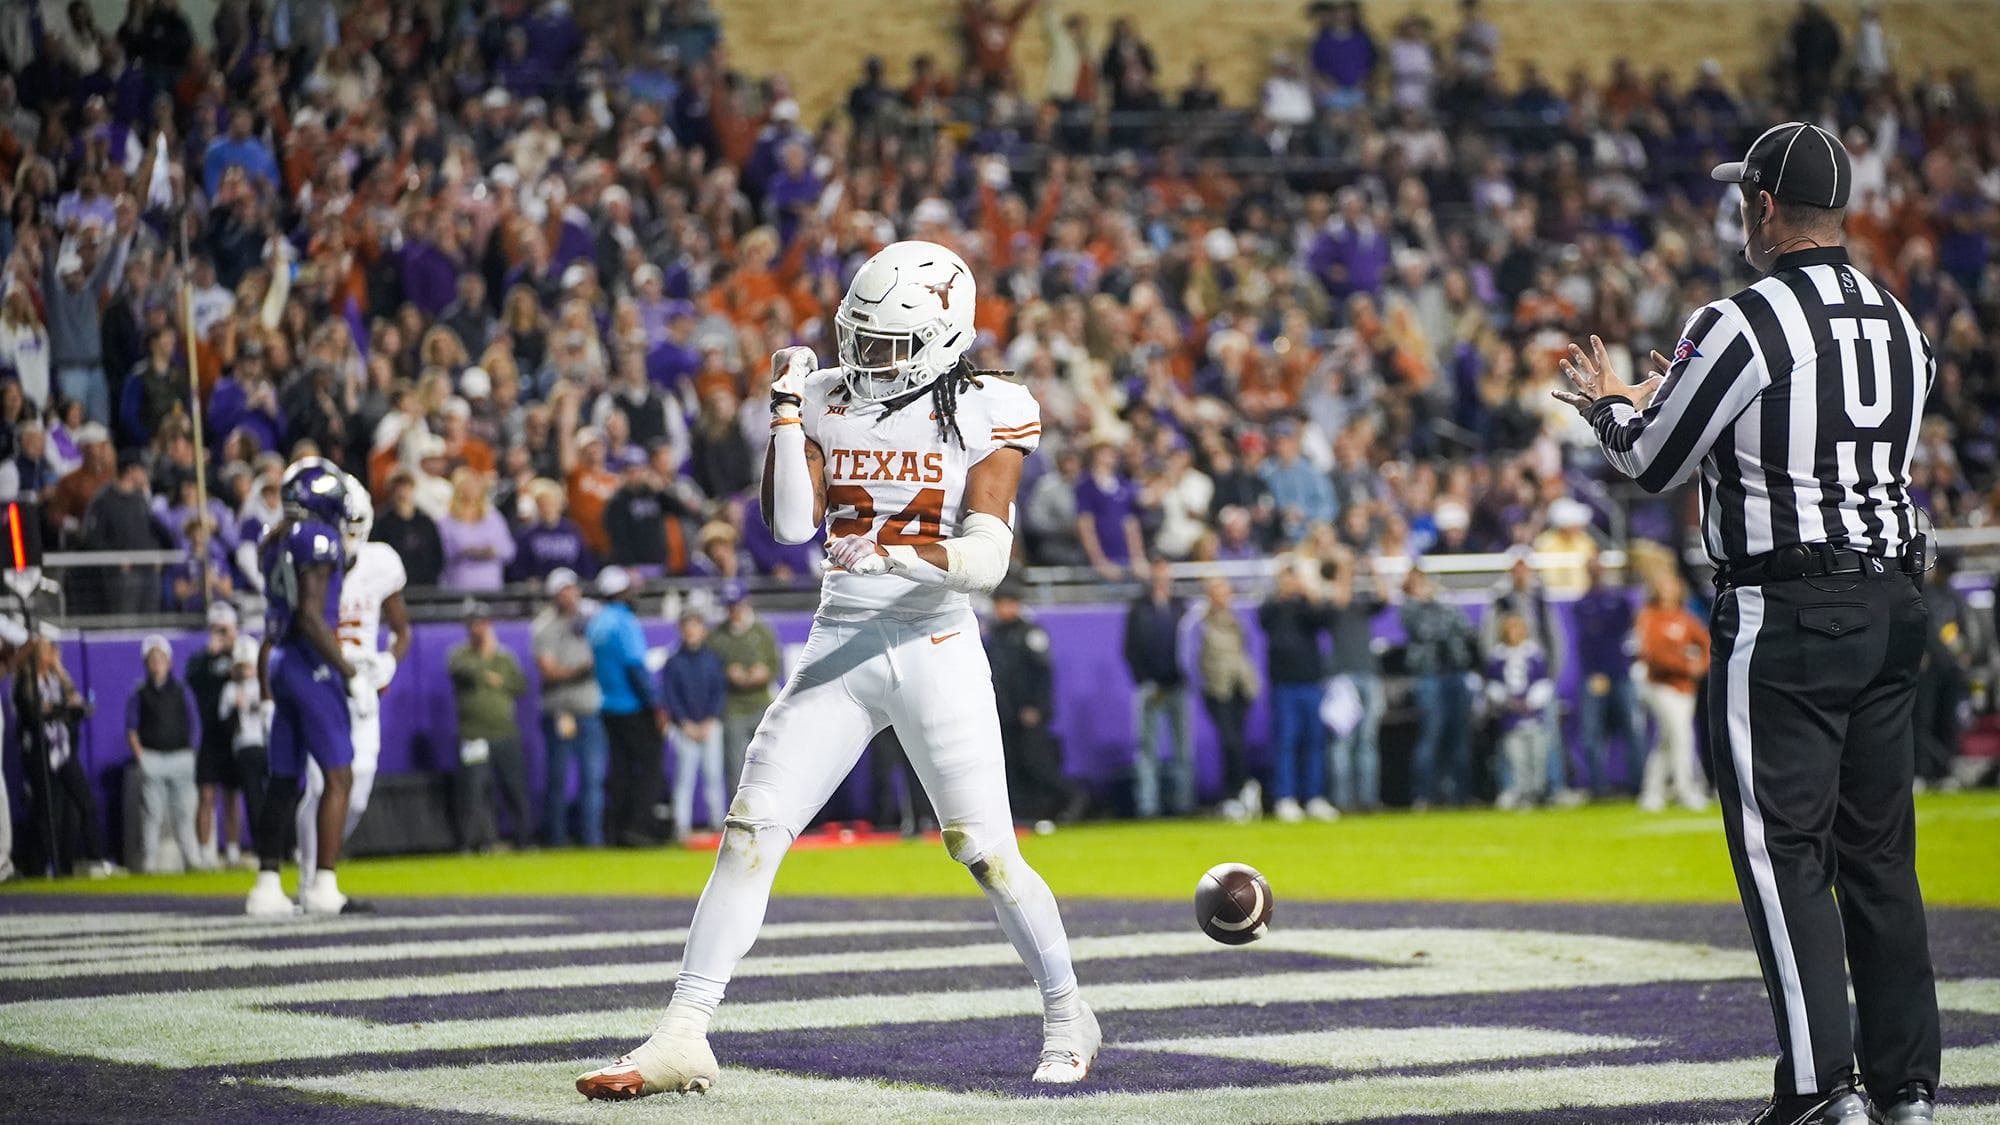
[905,321]
[359,519]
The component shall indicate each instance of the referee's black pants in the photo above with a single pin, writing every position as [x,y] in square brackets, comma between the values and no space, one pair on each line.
[1811,692]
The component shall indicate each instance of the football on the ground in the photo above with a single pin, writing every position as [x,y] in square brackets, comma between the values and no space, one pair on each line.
[1232,903]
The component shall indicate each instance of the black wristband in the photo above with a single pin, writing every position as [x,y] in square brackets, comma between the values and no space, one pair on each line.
[1604,403]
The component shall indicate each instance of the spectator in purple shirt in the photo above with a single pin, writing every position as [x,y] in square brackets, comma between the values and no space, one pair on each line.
[1608,703]
[1343,55]
[184,590]
[778,559]
[477,544]
[1964,220]
[1236,536]
[1352,255]
[649,293]
[551,541]
[1107,521]
[554,38]
[523,73]
[244,399]
[676,358]
[792,190]
[430,276]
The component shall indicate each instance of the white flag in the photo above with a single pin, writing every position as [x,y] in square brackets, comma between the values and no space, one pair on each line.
[1340,708]
[159,188]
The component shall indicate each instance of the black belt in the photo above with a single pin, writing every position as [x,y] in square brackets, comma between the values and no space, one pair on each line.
[1815,560]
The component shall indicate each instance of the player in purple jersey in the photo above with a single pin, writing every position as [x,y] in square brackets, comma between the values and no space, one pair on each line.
[306,679]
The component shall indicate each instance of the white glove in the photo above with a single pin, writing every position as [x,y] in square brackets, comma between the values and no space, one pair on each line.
[789,368]
[857,555]
[384,668]
[361,694]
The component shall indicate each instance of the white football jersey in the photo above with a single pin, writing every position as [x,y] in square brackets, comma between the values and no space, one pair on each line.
[376,573]
[896,479]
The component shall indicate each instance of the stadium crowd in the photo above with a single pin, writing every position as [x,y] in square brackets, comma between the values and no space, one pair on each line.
[518,265]
[1477,713]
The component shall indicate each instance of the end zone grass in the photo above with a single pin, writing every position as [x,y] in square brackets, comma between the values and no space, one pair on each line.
[1603,853]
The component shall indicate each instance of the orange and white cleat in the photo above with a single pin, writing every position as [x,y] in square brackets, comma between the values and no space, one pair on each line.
[679,1063]
[1069,1049]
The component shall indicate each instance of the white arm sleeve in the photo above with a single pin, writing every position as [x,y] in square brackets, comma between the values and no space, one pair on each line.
[247,563]
[791,512]
[977,559]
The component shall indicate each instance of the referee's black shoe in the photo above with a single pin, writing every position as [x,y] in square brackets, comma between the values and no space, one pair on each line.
[1914,1104]
[1841,1107]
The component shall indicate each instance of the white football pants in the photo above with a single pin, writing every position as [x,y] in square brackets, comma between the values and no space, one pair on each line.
[929,679]
[367,753]
[1672,763]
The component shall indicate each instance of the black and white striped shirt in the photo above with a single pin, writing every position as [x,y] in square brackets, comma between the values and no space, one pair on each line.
[1799,399]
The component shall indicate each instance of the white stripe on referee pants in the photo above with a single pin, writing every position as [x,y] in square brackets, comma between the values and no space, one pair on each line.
[1750,619]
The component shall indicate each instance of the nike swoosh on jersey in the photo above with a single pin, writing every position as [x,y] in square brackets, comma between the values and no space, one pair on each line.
[938,640]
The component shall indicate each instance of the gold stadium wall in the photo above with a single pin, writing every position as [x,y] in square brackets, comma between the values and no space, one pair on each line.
[819,44]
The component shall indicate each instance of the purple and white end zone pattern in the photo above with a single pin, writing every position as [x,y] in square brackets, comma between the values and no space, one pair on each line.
[116,1010]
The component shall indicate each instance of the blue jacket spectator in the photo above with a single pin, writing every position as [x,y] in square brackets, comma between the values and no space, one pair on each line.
[238,149]
[619,647]
[1603,627]
[1152,639]
[693,684]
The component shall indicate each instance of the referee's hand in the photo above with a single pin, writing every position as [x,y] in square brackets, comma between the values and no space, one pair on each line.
[1593,378]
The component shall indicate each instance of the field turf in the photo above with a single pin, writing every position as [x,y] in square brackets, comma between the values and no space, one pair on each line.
[1580,967]
[1600,853]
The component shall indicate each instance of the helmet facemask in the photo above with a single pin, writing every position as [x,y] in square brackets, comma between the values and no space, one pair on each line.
[882,365]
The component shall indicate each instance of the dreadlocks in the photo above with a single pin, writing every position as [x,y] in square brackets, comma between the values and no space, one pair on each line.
[944,397]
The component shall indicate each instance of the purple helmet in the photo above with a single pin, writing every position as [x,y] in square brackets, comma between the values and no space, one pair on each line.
[314,488]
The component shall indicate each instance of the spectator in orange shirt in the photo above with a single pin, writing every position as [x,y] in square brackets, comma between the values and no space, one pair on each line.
[461,446]
[590,485]
[928,85]
[1004,217]
[756,284]
[989,36]
[1673,647]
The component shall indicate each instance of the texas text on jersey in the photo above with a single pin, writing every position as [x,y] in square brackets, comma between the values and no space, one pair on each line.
[894,478]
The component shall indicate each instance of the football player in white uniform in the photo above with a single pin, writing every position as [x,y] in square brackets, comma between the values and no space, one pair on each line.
[370,593]
[912,459]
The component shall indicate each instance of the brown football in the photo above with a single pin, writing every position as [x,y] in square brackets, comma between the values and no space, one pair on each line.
[1232,904]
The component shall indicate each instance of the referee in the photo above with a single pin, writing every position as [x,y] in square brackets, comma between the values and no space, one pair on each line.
[1797,400]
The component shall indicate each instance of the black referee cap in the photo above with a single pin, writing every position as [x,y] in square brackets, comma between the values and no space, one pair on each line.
[1797,161]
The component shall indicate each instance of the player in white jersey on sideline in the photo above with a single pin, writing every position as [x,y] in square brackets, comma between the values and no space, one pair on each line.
[370,593]
[914,458]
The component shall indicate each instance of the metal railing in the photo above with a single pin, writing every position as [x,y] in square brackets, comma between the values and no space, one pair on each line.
[69,598]
[1462,576]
